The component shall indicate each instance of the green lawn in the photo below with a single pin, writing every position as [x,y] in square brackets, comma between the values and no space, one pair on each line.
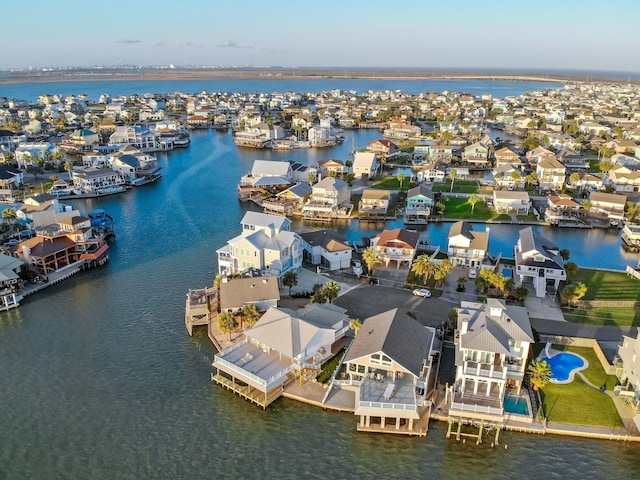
[621,316]
[527,218]
[329,367]
[414,282]
[391,183]
[577,402]
[608,285]
[459,186]
[461,208]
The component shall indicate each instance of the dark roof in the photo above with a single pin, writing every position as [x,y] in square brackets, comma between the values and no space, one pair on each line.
[7,172]
[395,333]
[43,247]
[461,228]
[328,239]
[398,235]
[532,242]
[420,190]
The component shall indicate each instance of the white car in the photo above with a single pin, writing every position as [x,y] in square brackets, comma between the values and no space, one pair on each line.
[473,273]
[422,292]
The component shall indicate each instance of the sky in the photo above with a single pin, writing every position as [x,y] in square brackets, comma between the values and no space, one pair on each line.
[462,34]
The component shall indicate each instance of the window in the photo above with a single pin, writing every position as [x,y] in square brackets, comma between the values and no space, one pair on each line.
[380,359]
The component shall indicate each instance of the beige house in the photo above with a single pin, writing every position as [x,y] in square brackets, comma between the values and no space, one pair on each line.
[328,197]
[365,164]
[608,204]
[263,292]
[374,202]
[390,363]
[506,156]
[505,201]
[551,173]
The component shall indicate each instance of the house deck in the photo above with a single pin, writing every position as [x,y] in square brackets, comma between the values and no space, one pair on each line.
[254,360]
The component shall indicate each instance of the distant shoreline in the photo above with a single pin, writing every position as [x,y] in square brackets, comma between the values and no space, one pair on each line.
[154,74]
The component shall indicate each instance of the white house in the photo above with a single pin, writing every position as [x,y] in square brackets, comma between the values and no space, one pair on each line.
[506,201]
[365,164]
[328,196]
[327,248]
[628,369]
[538,261]
[466,246]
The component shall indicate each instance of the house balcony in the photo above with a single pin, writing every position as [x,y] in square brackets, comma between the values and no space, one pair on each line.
[376,394]
[465,400]
[489,370]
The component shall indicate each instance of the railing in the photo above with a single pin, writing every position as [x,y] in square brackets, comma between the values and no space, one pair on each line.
[476,408]
[476,368]
[387,406]
[267,383]
[348,382]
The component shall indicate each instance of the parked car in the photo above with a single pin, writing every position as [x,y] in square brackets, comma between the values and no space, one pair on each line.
[422,292]
[473,273]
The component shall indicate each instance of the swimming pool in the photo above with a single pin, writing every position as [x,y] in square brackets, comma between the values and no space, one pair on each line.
[516,405]
[563,365]
[507,272]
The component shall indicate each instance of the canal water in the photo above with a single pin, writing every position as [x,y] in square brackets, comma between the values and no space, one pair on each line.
[100,379]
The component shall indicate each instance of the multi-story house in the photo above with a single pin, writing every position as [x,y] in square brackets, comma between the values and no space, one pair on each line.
[506,156]
[136,135]
[610,205]
[383,147]
[331,165]
[266,243]
[98,181]
[397,245]
[265,175]
[327,248]
[467,247]
[374,202]
[10,179]
[506,201]
[419,205]
[10,281]
[365,164]
[390,363]
[538,262]
[628,370]
[476,153]
[136,167]
[492,344]
[551,173]
[328,197]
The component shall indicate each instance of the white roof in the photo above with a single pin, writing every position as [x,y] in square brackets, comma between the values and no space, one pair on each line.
[270,168]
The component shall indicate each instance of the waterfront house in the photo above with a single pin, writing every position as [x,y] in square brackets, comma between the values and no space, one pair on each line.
[610,205]
[440,153]
[506,156]
[136,167]
[97,181]
[365,165]
[538,262]
[397,245]
[29,154]
[467,247]
[390,362]
[10,281]
[288,201]
[492,343]
[331,165]
[80,141]
[235,293]
[383,147]
[419,205]
[374,203]
[476,153]
[10,180]
[136,135]
[327,248]
[505,176]
[534,156]
[282,346]
[402,130]
[265,176]
[628,370]
[511,202]
[266,243]
[562,207]
[9,140]
[328,197]
[551,173]
[589,182]
[42,210]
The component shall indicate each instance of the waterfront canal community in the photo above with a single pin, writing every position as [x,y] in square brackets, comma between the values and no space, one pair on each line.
[410,260]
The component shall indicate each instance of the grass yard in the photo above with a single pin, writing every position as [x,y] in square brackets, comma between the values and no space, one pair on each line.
[329,367]
[460,208]
[391,183]
[459,186]
[621,316]
[577,402]
[608,285]
[414,282]
[527,218]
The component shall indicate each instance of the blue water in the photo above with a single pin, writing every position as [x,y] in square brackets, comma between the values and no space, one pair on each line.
[31,91]
[516,405]
[563,364]
[507,272]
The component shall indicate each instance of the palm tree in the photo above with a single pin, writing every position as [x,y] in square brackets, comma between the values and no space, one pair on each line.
[250,314]
[424,267]
[452,176]
[290,279]
[473,199]
[574,178]
[371,259]
[633,211]
[539,373]
[227,323]
[401,178]
[68,167]
[331,290]
[355,324]
[9,216]
[571,269]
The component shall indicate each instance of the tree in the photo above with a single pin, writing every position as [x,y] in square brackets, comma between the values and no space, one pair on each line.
[442,270]
[473,199]
[574,178]
[401,177]
[604,167]
[424,267]
[586,205]
[311,178]
[530,143]
[350,177]
[227,323]
[573,292]
[632,211]
[355,324]
[452,318]
[446,137]
[371,259]
[571,269]
[538,373]
[9,216]
[452,176]
[528,179]
[250,314]
[332,173]
[516,176]
[565,254]
[331,291]
[521,293]
[440,208]
[290,279]
[68,167]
